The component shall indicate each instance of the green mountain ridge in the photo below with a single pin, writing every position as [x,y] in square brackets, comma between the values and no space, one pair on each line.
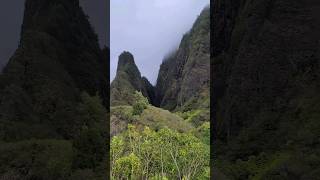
[184,77]
[128,80]
[53,97]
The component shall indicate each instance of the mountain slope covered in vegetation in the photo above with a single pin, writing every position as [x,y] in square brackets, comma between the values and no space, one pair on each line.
[53,97]
[183,81]
[265,84]
[128,80]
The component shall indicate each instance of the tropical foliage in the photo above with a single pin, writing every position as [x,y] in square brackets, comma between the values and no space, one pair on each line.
[163,154]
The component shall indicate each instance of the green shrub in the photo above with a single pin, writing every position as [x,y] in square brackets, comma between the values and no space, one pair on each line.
[128,167]
[140,104]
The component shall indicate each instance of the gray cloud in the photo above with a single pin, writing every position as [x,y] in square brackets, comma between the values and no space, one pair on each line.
[149,29]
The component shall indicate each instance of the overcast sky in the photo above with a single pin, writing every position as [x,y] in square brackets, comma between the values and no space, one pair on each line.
[11,16]
[149,29]
[11,13]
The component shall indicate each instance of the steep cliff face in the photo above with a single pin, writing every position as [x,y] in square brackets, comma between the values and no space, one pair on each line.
[128,80]
[265,79]
[183,80]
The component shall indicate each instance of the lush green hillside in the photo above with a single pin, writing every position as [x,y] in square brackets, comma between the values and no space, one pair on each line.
[152,117]
[52,93]
[265,89]
[150,142]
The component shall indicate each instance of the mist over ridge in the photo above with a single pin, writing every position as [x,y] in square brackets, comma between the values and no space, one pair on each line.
[149,30]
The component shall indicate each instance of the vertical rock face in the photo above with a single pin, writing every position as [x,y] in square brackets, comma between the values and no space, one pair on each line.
[128,80]
[265,75]
[58,57]
[184,76]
